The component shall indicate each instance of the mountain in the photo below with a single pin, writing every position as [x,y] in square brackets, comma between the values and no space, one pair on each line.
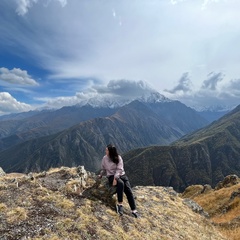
[203,157]
[213,112]
[52,205]
[28,125]
[179,115]
[116,102]
[21,115]
[213,115]
[134,125]
[22,127]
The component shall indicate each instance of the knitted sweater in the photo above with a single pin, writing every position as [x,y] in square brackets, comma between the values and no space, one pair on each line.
[110,168]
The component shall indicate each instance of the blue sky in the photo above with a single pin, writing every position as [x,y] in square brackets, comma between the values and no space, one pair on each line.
[55,53]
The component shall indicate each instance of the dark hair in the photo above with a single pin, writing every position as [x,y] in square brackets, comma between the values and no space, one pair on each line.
[113,154]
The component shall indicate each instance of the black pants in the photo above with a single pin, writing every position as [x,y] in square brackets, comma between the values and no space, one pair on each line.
[123,186]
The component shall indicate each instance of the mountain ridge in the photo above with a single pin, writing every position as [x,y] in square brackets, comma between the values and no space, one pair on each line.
[134,125]
[202,157]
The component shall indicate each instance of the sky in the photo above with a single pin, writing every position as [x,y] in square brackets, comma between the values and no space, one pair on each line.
[56,53]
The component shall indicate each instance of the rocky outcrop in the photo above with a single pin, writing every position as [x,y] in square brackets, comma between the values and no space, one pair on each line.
[71,203]
[228,181]
[2,173]
[195,207]
[101,191]
[221,204]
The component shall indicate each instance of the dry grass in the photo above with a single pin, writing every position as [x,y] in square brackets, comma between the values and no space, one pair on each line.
[3,207]
[65,204]
[192,191]
[16,215]
[224,211]
[231,234]
[14,175]
[38,210]
[233,211]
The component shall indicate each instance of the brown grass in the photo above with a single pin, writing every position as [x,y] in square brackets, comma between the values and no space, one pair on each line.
[16,215]
[231,234]
[38,210]
[224,212]
[3,207]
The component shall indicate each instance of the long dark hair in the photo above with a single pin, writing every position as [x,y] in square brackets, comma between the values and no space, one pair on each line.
[113,154]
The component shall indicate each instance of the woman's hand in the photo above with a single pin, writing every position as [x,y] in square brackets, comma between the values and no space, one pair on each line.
[114,182]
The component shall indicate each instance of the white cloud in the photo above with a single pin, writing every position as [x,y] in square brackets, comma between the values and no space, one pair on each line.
[115,89]
[213,92]
[212,81]
[184,84]
[176,1]
[124,88]
[16,76]
[207,2]
[171,44]
[204,3]
[23,6]
[157,41]
[8,104]
[59,102]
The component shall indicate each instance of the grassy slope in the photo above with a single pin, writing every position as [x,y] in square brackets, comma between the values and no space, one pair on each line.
[48,207]
[224,211]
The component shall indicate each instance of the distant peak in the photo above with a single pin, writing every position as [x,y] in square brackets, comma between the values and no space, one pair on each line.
[118,101]
[153,98]
[213,108]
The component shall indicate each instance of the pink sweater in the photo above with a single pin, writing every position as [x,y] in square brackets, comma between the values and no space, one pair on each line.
[110,168]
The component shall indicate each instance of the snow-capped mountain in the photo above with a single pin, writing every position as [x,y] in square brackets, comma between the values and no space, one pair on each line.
[213,112]
[119,101]
[213,108]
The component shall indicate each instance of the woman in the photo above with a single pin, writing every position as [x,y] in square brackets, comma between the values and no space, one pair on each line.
[112,165]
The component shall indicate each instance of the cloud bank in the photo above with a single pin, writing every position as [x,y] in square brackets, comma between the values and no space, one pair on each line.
[214,92]
[59,52]
[80,39]
[115,89]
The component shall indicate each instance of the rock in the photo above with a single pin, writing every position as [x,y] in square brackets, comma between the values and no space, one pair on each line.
[235,194]
[30,176]
[195,207]
[228,181]
[192,191]
[2,173]
[206,188]
[83,175]
[101,190]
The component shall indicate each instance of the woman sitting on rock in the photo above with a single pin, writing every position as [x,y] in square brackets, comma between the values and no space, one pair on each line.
[112,166]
